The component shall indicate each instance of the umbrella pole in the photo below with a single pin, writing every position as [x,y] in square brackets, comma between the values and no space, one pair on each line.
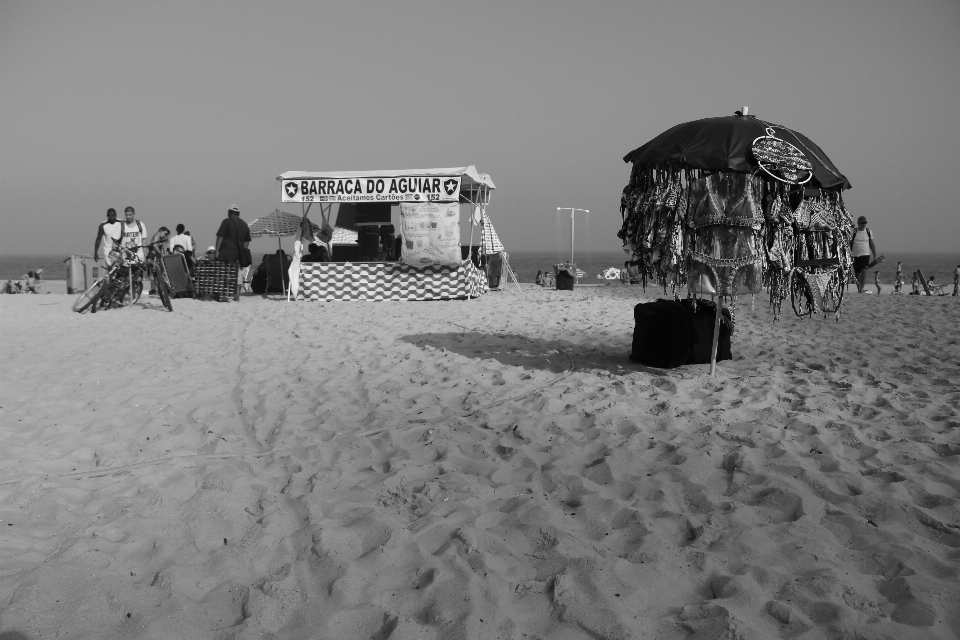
[716,336]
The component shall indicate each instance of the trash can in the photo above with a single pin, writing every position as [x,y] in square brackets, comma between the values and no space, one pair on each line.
[82,270]
[565,276]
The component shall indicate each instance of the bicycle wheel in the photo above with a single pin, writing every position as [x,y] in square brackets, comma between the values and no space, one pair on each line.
[91,295]
[123,290]
[164,290]
[111,295]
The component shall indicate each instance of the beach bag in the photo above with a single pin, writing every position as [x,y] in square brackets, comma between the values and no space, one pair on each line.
[703,321]
[669,333]
[663,335]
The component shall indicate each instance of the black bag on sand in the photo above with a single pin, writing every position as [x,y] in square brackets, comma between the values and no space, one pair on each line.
[664,335]
[669,334]
[703,321]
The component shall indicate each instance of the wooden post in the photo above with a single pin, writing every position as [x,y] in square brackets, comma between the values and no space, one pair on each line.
[716,336]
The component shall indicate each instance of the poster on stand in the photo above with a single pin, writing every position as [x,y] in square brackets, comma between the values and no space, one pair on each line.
[431,233]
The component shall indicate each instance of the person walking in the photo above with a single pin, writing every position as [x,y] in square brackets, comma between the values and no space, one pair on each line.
[109,232]
[232,236]
[133,233]
[863,251]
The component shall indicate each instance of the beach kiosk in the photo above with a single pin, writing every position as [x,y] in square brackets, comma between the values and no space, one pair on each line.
[429,202]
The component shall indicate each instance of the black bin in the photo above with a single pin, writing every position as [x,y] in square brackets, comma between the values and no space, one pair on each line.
[565,279]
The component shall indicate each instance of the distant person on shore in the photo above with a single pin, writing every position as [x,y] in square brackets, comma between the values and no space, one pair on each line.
[108,233]
[876,281]
[956,281]
[539,280]
[916,284]
[863,251]
[898,283]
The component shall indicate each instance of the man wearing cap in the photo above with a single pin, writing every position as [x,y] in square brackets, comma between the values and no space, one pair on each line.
[863,250]
[233,235]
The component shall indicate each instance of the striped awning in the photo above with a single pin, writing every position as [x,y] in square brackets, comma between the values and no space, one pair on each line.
[491,242]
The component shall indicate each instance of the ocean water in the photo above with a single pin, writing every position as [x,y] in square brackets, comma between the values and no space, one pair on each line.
[526,264]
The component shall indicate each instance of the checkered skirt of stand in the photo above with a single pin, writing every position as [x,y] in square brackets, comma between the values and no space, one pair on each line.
[328,281]
[214,278]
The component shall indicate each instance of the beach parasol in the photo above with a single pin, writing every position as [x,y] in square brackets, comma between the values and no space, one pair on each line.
[280,224]
[730,205]
[726,144]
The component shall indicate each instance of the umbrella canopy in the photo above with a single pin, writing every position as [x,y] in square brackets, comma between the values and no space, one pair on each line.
[280,224]
[725,143]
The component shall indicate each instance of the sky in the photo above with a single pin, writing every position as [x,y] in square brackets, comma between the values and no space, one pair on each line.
[182,108]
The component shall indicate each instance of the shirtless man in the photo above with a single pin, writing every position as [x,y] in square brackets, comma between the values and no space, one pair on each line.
[109,231]
[863,251]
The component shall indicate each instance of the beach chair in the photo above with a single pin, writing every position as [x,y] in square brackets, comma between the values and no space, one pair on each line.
[278,276]
[930,289]
[178,273]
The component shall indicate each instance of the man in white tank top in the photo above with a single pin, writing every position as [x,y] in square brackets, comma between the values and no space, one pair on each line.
[863,250]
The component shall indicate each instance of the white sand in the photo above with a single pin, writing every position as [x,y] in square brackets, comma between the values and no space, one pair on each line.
[486,469]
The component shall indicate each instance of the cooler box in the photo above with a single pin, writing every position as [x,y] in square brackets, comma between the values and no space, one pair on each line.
[82,270]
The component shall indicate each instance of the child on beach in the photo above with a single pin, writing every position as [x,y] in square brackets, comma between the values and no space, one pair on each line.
[898,283]
[916,285]
[876,281]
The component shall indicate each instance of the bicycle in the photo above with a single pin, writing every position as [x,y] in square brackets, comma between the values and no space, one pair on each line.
[111,289]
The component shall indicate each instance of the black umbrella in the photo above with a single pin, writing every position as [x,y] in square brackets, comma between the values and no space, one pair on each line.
[727,144]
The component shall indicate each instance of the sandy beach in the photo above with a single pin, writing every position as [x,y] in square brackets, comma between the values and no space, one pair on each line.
[493,468]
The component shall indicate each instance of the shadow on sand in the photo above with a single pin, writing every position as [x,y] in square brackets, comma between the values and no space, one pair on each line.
[531,353]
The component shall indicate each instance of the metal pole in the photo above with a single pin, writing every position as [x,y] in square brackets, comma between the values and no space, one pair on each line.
[130,273]
[573,210]
[716,337]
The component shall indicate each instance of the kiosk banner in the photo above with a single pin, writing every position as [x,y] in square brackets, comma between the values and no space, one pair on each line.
[431,234]
[372,189]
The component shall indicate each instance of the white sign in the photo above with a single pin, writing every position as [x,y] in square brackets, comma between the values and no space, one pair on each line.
[431,234]
[396,189]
